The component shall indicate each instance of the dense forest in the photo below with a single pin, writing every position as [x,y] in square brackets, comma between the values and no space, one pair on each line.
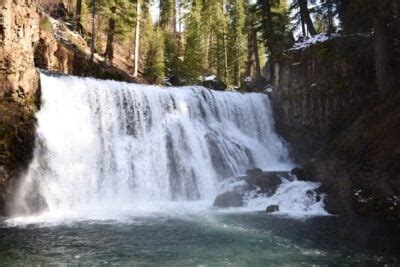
[184,41]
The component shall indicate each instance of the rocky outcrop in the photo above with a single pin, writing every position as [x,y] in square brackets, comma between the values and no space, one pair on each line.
[229,199]
[19,30]
[319,90]
[272,208]
[255,181]
[61,50]
[343,135]
[19,83]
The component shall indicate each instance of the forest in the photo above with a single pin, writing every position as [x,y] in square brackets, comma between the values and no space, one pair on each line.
[184,41]
[200,132]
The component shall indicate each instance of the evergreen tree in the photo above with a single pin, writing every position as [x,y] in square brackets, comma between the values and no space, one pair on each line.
[167,14]
[171,56]
[303,16]
[275,25]
[193,56]
[155,69]
[325,14]
[120,15]
[253,57]
[237,40]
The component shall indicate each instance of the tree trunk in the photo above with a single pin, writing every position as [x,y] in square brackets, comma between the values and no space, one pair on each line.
[174,20]
[267,23]
[268,31]
[238,65]
[256,55]
[306,16]
[303,25]
[219,72]
[330,17]
[109,53]
[383,50]
[250,53]
[137,40]
[78,13]
[224,33]
[93,31]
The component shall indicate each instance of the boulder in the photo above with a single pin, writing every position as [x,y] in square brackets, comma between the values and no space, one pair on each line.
[229,199]
[214,84]
[299,173]
[266,182]
[272,208]
[254,173]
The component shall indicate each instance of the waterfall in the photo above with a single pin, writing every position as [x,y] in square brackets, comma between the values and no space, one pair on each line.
[106,144]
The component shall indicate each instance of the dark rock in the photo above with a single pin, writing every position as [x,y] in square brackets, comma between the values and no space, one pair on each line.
[256,172]
[254,84]
[176,81]
[299,173]
[310,193]
[214,85]
[229,199]
[272,208]
[266,182]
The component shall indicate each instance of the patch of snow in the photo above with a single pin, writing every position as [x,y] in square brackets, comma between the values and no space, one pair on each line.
[319,38]
[210,78]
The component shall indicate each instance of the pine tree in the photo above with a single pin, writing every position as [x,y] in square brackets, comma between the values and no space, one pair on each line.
[275,22]
[167,23]
[78,13]
[155,69]
[120,15]
[137,38]
[167,13]
[303,17]
[237,41]
[253,57]
[171,56]
[193,56]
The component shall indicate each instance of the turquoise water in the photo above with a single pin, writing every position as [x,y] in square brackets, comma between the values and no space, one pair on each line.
[210,239]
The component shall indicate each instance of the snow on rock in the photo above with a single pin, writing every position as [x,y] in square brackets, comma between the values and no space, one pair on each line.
[320,38]
[210,78]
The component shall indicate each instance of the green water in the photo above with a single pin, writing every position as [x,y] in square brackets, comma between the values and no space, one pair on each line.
[220,239]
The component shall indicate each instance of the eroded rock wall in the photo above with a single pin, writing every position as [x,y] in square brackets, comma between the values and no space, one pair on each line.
[19,83]
[319,90]
[327,107]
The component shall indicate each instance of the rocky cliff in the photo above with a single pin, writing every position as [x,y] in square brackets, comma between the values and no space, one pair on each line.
[19,33]
[327,108]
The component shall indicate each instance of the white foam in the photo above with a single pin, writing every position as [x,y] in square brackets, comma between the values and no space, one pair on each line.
[109,150]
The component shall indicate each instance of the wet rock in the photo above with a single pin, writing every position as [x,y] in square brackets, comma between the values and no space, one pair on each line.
[215,84]
[265,182]
[254,173]
[229,199]
[299,173]
[272,208]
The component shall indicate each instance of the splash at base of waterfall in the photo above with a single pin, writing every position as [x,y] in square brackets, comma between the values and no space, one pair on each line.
[108,149]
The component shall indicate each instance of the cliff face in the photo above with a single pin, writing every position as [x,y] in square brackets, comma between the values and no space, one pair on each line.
[19,32]
[327,108]
[320,90]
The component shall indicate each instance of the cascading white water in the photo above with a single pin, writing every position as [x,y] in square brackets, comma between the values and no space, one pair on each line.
[107,146]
